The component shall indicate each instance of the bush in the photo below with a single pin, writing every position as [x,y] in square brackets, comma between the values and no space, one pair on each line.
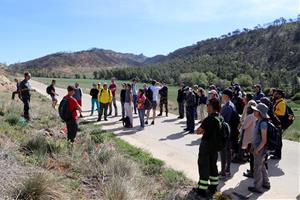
[222,196]
[12,115]
[39,186]
[104,155]
[118,166]
[173,178]
[296,97]
[115,190]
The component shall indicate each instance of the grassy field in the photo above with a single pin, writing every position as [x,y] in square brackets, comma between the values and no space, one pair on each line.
[293,133]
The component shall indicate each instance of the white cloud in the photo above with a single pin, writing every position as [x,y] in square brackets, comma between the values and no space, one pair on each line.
[176,11]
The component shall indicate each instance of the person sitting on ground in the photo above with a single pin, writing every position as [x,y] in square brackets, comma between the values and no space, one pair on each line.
[181,100]
[258,94]
[113,89]
[163,92]
[190,111]
[25,89]
[17,90]
[52,93]
[105,97]
[94,92]
[227,113]
[122,100]
[78,95]
[71,121]
[202,104]
[247,127]
[259,141]
[128,104]
[208,154]
[154,88]
[141,107]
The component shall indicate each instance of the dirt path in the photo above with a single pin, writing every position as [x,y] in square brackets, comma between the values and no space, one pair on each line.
[166,141]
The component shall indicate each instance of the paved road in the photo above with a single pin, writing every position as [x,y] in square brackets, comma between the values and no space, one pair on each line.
[166,141]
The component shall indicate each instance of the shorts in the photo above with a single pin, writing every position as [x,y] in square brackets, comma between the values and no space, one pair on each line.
[147,104]
[153,105]
[53,97]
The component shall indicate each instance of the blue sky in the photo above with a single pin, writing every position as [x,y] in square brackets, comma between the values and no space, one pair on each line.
[34,28]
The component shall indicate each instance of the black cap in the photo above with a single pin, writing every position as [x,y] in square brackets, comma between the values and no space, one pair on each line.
[228,92]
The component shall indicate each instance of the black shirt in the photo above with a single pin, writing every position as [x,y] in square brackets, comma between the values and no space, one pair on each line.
[180,95]
[163,92]
[123,95]
[94,93]
[51,89]
[211,125]
[25,85]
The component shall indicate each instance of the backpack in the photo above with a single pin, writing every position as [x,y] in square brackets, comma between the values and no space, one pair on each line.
[126,122]
[288,119]
[273,136]
[63,110]
[234,120]
[222,135]
[149,94]
[48,90]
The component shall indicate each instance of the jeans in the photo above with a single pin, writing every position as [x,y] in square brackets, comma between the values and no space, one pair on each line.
[260,172]
[181,109]
[226,157]
[190,118]
[128,111]
[26,101]
[163,101]
[135,98]
[123,109]
[279,149]
[95,101]
[142,117]
[72,128]
[113,102]
[103,109]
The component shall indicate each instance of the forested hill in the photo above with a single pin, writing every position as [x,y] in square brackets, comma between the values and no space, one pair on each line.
[270,56]
[82,61]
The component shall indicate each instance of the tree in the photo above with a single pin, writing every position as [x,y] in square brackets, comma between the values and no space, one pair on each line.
[244,80]
[95,74]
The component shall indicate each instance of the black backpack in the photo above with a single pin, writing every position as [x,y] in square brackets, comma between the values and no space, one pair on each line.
[222,135]
[63,110]
[288,119]
[273,136]
[126,122]
[48,90]
[234,121]
[149,94]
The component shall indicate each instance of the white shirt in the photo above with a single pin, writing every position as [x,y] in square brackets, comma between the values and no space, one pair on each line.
[155,90]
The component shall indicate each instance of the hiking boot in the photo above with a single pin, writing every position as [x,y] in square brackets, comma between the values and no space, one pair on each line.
[80,116]
[254,190]
[199,192]
[99,120]
[152,123]
[109,114]
[180,117]
[212,189]
[159,115]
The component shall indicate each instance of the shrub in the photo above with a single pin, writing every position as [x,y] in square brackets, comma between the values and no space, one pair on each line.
[39,186]
[118,166]
[115,190]
[222,196]
[173,178]
[296,97]
[12,114]
[104,155]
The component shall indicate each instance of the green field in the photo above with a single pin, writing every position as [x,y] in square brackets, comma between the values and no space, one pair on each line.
[293,133]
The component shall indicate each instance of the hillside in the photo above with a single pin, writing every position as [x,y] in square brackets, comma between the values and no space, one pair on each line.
[270,56]
[84,61]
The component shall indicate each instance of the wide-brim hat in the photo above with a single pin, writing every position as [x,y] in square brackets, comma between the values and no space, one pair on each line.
[262,109]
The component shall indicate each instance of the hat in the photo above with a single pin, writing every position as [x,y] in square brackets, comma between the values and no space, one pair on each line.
[213,92]
[251,103]
[262,109]
[257,85]
[227,92]
[212,87]
[280,92]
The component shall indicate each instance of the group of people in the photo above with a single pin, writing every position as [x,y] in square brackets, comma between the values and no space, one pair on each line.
[247,115]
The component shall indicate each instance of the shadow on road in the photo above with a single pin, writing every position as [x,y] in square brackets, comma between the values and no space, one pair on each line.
[274,169]
[195,142]
[170,120]
[174,136]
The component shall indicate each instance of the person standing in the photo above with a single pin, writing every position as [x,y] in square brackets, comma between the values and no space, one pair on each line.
[202,104]
[52,93]
[78,95]
[17,90]
[128,104]
[113,89]
[141,107]
[279,111]
[258,94]
[154,88]
[227,113]
[208,154]
[25,90]
[72,108]
[190,111]
[122,99]
[105,97]
[259,141]
[237,100]
[180,101]
[197,95]
[94,94]
[134,94]
[163,92]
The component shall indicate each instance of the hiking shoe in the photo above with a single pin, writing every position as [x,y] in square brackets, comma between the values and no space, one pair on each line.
[80,116]
[99,120]
[254,190]
[159,115]
[105,120]
[179,117]
[267,187]
[200,192]
[146,122]
[152,123]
